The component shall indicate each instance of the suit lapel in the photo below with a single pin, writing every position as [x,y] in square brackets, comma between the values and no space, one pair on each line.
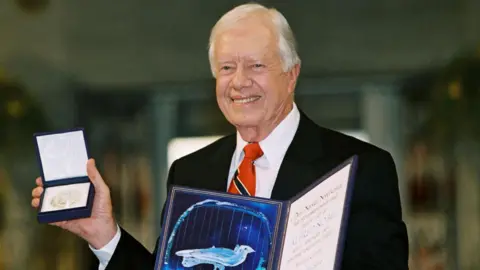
[220,165]
[302,163]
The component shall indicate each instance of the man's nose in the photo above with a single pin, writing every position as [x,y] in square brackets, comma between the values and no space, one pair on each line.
[241,79]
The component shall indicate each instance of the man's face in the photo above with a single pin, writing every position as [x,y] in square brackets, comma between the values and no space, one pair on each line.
[252,89]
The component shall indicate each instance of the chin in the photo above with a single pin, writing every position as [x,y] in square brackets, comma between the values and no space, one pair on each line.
[244,120]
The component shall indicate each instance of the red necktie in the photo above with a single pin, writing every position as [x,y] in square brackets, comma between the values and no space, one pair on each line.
[243,181]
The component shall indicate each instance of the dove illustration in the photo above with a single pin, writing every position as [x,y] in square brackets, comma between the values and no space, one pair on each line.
[218,257]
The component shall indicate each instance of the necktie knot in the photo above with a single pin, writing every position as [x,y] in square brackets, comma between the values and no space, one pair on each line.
[252,151]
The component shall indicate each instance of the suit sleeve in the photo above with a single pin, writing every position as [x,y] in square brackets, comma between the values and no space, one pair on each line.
[376,235]
[131,254]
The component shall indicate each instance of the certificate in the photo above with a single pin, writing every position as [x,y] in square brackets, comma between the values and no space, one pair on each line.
[222,230]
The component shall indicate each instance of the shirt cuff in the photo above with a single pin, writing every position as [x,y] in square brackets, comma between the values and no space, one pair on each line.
[105,253]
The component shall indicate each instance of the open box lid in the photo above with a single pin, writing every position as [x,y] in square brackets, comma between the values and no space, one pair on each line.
[62,156]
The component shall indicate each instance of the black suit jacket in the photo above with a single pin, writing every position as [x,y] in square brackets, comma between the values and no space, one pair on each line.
[376,236]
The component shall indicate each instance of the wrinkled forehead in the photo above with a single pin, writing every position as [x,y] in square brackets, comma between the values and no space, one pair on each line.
[247,38]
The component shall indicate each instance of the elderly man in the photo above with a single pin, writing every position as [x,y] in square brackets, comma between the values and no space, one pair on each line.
[253,58]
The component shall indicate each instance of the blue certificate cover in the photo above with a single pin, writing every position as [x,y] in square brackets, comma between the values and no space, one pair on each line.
[217,230]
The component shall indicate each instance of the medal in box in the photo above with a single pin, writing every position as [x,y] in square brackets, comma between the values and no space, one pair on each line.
[68,193]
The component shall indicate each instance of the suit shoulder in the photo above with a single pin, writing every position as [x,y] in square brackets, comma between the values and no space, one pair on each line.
[335,141]
[206,151]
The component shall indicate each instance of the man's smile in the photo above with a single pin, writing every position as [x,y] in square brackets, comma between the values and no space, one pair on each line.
[245,100]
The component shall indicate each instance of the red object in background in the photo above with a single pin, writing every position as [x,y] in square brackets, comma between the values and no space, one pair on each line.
[423,192]
[423,186]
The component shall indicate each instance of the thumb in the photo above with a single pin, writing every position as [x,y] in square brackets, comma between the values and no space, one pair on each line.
[94,175]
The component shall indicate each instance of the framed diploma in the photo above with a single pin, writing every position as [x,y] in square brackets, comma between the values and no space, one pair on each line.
[68,193]
[222,231]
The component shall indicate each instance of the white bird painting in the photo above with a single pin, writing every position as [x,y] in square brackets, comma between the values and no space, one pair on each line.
[218,257]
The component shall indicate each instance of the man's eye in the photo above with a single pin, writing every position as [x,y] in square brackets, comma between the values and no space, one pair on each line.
[225,68]
[258,65]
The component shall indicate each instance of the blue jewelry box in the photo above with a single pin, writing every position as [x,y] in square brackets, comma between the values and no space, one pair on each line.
[68,193]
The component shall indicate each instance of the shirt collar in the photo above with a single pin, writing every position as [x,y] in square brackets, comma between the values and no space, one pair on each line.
[276,144]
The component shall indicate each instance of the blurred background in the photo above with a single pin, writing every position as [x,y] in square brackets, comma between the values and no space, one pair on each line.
[401,74]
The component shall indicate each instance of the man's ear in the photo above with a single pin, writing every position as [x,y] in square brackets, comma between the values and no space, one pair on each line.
[293,77]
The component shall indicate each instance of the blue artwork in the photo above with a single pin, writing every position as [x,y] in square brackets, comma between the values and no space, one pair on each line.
[218,257]
[218,232]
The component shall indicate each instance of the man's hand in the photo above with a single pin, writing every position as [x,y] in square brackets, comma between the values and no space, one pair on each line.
[98,229]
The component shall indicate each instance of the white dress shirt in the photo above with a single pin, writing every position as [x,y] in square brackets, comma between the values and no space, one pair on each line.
[105,253]
[274,148]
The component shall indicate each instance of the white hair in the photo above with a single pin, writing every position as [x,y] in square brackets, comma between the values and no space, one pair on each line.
[286,39]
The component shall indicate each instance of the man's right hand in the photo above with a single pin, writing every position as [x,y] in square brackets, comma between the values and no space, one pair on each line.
[101,227]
